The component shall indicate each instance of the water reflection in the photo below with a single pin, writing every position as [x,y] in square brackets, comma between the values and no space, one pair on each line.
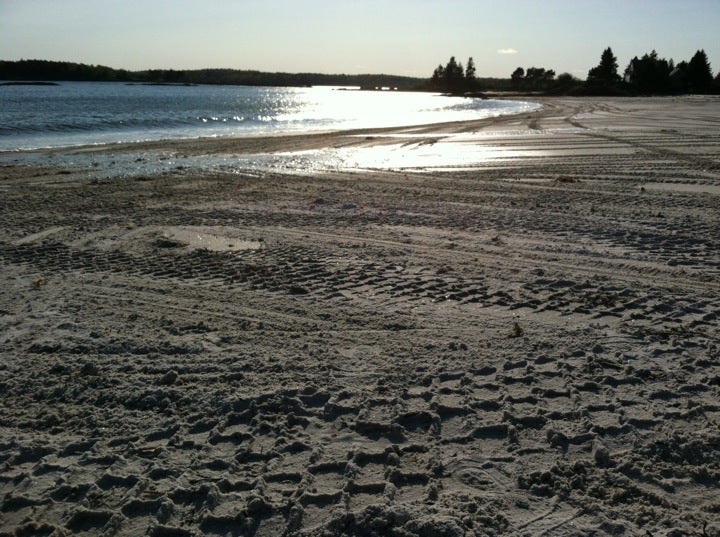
[419,153]
[75,114]
[409,153]
[445,153]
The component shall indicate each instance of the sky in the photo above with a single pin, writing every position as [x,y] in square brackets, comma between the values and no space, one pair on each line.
[401,37]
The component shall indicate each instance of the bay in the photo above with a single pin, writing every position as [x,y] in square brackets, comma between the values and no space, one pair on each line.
[82,113]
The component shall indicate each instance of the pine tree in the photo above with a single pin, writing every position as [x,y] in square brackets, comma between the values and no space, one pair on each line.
[699,75]
[649,74]
[438,76]
[470,70]
[606,73]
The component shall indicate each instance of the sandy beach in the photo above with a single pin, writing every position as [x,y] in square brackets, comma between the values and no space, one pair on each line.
[505,327]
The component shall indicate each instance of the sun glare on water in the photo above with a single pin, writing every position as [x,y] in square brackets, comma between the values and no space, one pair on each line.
[355,108]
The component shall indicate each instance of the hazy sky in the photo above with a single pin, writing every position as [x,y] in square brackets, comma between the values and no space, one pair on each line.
[404,37]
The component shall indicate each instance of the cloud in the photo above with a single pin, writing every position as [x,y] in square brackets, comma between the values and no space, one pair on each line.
[507,51]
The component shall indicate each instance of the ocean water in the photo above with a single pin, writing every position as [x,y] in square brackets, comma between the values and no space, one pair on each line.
[81,113]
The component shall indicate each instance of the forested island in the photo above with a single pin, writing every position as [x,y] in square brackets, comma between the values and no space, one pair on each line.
[646,75]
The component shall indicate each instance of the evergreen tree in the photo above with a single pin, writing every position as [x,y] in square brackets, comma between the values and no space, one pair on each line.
[698,73]
[678,78]
[438,76]
[649,74]
[470,70]
[450,70]
[606,73]
[454,75]
[516,78]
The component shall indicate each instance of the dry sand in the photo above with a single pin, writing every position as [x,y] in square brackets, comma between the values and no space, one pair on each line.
[528,346]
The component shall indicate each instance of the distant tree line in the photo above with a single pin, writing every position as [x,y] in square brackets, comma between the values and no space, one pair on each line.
[453,78]
[36,70]
[648,75]
[653,75]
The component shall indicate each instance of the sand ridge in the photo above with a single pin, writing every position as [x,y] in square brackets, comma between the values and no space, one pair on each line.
[528,346]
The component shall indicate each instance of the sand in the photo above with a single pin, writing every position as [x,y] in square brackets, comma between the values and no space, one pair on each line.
[527,345]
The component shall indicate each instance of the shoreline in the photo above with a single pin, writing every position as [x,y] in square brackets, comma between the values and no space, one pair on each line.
[311,140]
[558,109]
[463,145]
[316,138]
[507,326]
[210,115]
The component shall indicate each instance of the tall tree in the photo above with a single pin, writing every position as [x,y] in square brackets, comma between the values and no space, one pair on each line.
[470,70]
[438,76]
[454,75]
[516,78]
[606,73]
[698,73]
[678,78]
[649,74]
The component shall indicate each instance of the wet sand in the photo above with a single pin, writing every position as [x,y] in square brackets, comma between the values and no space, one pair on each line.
[524,344]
